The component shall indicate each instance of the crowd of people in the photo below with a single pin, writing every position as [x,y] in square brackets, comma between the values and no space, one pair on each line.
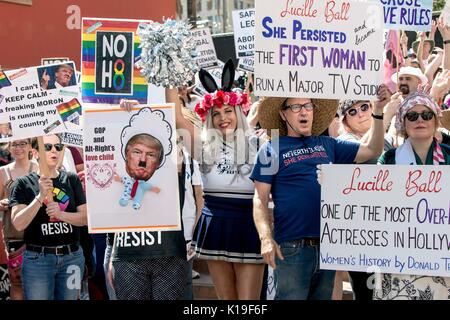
[243,206]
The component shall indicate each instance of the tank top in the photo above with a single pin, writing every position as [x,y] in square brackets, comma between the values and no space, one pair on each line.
[9,232]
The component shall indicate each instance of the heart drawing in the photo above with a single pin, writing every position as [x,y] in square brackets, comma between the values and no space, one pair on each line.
[101,175]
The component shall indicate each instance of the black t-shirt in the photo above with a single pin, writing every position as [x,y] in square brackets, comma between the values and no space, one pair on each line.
[67,191]
[152,244]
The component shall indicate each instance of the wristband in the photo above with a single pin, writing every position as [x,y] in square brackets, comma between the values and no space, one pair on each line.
[40,202]
[379,117]
[447,41]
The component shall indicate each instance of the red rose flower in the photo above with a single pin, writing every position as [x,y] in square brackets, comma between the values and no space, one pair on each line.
[207,100]
[233,99]
[201,111]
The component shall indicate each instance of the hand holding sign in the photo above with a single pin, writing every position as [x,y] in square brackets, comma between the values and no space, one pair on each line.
[45,187]
[53,211]
[383,97]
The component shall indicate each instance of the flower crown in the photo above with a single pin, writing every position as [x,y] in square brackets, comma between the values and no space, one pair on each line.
[220,98]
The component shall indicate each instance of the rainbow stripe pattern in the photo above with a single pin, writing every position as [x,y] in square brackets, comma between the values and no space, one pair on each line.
[4,81]
[67,110]
[88,38]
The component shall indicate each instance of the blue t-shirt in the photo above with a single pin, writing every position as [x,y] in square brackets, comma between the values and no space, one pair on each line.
[289,165]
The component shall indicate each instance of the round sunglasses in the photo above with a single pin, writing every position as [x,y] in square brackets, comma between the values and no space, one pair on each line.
[49,146]
[354,111]
[425,115]
[295,108]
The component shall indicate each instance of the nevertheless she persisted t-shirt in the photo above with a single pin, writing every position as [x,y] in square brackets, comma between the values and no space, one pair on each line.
[67,192]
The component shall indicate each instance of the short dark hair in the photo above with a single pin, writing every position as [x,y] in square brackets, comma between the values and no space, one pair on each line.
[145,138]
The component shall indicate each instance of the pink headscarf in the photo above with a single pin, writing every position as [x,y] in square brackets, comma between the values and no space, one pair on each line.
[410,102]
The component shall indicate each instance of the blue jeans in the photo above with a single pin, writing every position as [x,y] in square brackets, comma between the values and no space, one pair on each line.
[51,276]
[107,259]
[298,276]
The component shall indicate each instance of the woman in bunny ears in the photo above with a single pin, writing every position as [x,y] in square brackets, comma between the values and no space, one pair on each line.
[225,234]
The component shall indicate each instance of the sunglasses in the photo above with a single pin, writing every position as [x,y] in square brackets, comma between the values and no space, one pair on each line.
[353,111]
[425,115]
[295,108]
[49,146]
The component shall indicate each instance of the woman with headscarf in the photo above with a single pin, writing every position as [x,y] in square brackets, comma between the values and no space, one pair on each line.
[417,120]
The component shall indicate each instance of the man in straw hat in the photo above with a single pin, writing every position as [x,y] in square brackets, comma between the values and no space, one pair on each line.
[286,168]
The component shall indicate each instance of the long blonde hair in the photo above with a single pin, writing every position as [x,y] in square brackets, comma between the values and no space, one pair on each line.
[213,141]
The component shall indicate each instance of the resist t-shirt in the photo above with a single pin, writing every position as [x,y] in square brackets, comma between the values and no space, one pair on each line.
[67,192]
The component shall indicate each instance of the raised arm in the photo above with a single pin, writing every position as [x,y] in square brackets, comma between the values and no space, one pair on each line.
[444,29]
[185,128]
[373,147]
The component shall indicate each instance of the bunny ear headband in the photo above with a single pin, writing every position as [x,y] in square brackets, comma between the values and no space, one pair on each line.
[219,97]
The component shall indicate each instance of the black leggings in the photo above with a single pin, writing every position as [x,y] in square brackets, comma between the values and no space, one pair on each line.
[359,285]
[161,278]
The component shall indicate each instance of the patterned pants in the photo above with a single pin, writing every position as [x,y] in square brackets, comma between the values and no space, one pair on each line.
[161,278]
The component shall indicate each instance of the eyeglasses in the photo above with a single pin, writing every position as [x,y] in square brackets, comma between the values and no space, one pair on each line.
[425,115]
[296,108]
[353,111]
[49,146]
[19,145]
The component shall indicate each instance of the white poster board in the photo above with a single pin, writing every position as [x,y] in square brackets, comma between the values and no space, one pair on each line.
[45,61]
[330,49]
[244,32]
[391,219]
[73,138]
[110,138]
[206,53]
[246,64]
[37,101]
[412,15]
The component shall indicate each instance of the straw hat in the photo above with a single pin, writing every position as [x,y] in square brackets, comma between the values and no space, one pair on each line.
[415,44]
[445,120]
[269,118]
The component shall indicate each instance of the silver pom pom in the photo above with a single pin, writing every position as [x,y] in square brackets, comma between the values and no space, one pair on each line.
[168,52]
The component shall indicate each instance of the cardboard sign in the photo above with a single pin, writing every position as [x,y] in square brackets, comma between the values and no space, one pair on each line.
[131,169]
[206,53]
[412,15]
[45,61]
[110,48]
[390,219]
[318,49]
[73,139]
[37,101]
[244,32]
[246,64]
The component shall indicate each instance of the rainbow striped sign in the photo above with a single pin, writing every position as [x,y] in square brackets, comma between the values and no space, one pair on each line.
[69,111]
[110,48]
[4,81]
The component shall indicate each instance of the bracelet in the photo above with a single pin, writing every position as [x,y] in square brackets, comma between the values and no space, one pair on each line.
[40,202]
[379,117]
[447,41]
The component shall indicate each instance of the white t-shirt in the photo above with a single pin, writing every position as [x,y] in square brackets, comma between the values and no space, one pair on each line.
[224,180]
[190,207]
